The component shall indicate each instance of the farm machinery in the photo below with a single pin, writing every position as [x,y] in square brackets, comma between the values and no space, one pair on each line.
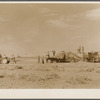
[91,57]
[74,57]
[64,57]
[4,60]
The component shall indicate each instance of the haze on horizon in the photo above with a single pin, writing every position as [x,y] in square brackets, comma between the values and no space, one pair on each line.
[33,29]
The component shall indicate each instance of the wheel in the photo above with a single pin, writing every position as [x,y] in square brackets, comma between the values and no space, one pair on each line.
[4,61]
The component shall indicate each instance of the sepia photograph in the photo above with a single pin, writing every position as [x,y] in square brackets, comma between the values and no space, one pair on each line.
[49,45]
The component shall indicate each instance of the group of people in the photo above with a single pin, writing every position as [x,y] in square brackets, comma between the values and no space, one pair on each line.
[41,59]
[13,59]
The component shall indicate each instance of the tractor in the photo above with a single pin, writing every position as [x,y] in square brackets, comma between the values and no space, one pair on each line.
[64,57]
[91,57]
[4,60]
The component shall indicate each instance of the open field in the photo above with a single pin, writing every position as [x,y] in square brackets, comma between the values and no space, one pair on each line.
[28,74]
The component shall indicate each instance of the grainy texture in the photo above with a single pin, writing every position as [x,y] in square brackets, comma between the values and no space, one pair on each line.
[28,74]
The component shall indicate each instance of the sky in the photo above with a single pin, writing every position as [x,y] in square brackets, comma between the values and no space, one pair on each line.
[32,29]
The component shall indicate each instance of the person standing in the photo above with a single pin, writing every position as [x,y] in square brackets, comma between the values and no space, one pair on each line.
[42,59]
[38,59]
[47,56]
[53,53]
[13,59]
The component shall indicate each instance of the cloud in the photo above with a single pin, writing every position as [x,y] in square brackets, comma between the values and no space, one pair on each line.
[57,23]
[93,14]
[64,21]
[45,10]
[30,5]
[48,12]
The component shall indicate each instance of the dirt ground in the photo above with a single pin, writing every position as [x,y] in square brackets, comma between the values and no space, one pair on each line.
[28,74]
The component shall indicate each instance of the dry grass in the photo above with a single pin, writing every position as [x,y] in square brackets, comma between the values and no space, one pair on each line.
[98,71]
[87,70]
[19,67]
[79,80]
[56,75]
[1,76]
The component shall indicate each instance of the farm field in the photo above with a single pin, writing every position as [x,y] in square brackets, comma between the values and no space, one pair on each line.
[28,74]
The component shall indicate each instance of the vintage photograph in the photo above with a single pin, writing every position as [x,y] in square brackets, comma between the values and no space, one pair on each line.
[49,45]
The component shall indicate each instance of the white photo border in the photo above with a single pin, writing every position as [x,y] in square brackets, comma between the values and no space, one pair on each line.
[50,93]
